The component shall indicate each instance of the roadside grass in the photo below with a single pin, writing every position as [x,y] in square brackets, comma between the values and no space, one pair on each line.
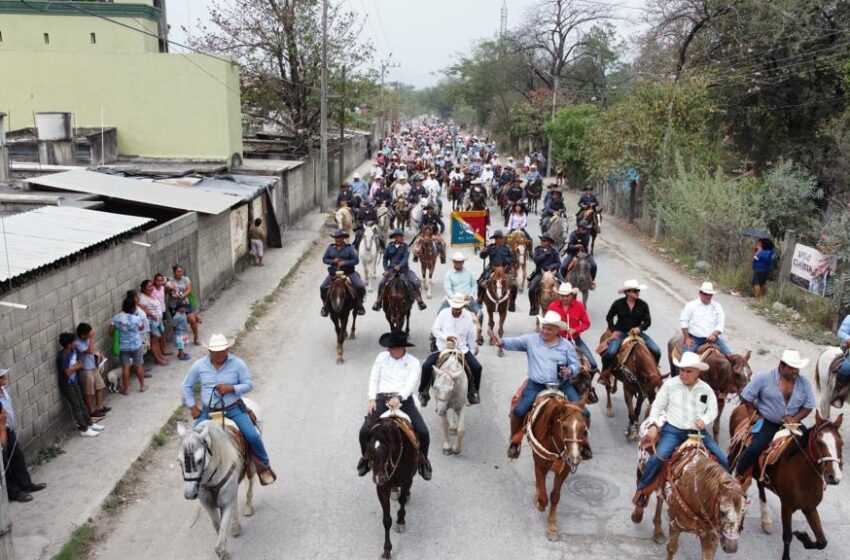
[77,547]
[47,454]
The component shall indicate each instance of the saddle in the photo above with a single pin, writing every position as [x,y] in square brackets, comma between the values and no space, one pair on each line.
[404,424]
[539,401]
[703,351]
[672,469]
[448,351]
[242,448]
[626,348]
[841,390]
[776,450]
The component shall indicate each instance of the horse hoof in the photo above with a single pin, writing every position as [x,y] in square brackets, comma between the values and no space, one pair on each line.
[447,451]
[248,512]
[609,412]
[456,451]
[767,528]
[540,507]
[340,361]
[236,531]
[399,527]
[660,538]
[552,536]
[386,555]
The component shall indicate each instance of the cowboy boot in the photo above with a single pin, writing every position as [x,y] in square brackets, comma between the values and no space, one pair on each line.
[264,472]
[425,470]
[640,500]
[362,466]
[324,311]
[424,397]
[359,309]
[516,435]
[512,301]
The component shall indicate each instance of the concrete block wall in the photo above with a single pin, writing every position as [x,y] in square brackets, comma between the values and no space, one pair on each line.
[174,242]
[215,258]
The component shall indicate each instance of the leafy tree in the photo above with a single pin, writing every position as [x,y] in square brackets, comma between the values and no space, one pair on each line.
[789,199]
[569,139]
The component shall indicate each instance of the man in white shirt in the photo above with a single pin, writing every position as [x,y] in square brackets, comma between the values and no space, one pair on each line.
[394,377]
[456,175]
[401,189]
[702,320]
[401,172]
[454,325]
[433,188]
[684,404]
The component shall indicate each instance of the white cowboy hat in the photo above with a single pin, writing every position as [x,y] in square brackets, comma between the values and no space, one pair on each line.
[690,360]
[707,288]
[218,342]
[356,176]
[552,318]
[792,358]
[4,372]
[632,284]
[567,288]
[457,301]
[459,256]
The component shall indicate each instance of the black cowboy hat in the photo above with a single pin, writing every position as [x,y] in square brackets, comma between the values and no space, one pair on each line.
[587,187]
[545,236]
[429,205]
[395,339]
[584,224]
[338,233]
[396,232]
[498,234]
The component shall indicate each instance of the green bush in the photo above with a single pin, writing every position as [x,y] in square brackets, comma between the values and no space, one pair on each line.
[788,199]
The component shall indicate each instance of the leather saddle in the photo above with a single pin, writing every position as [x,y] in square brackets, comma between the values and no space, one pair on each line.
[539,401]
[265,474]
[841,390]
[403,422]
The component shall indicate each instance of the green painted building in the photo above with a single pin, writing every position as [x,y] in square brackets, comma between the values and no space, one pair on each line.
[107,63]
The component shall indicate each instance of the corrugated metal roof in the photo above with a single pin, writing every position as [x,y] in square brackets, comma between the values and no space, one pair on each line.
[268,165]
[143,192]
[245,187]
[43,236]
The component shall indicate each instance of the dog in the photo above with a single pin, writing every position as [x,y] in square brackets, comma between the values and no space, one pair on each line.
[113,376]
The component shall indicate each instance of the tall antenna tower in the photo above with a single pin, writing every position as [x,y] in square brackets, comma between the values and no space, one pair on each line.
[503,29]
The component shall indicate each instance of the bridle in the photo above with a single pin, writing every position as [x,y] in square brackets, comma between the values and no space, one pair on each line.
[444,373]
[393,464]
[816,459]
[560,455]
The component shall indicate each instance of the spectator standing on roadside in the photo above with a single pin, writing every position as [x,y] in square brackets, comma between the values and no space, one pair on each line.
[146,328]
[258,238]
[180,290]
[19,485]
[129,327]
[763,255]
[153,314]
[181,332]
[68,368]
[91,382]
[159,295]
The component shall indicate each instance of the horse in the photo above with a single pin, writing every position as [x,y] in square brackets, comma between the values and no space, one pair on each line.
[579,275]
[384,219]
[495,295]
[726,375]
[592,216]
[397,300]
[214,460]
[340,303]
[533,193]
[394,462]
[416,212]
[825,379]
[427,259]
[546,293]
[344,217]
[402,213]
[558,230]
[702,498]
[639,374]
[520,246]
[799,477]
[456,193]
[450,394]
[368,252]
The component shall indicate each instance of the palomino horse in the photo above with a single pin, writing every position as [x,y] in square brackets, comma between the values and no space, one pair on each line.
[384,219]
[825,379]
[450,391]
[402,213]
[368,253]
[799,477]
[521,247]
[579,275]
[546,293]
[702,498]
[394,461]
[494,295]
[427,259]
[214,460]
[340,303]
[635,367]
[397,300]
[344,219]
[727,376]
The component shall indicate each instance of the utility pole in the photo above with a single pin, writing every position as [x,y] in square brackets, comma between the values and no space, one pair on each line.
[342,128]
[385,65]
[556,83]
[323,115]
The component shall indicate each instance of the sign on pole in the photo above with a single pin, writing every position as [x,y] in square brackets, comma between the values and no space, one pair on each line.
[469,228]
[812,270]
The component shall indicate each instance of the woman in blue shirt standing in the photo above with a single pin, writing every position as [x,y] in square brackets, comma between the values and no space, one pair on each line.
[763,256]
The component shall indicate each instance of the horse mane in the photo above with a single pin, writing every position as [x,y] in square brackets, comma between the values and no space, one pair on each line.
[718,480]
[223,452]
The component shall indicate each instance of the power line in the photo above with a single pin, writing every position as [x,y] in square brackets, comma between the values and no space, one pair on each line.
[381,26]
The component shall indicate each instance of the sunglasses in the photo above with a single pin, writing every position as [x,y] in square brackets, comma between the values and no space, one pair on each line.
[633,291]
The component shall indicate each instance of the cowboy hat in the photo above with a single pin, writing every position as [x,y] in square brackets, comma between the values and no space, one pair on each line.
[588,187]
[459,256]
[792,358]
[457,301]
[631,285]
[583,224]
[397,232]
[338,233]
[498,234]
[4,372]
[356,176]
[690,360]
[394,339]
[545,237]
[567,288]
[552,318]
[218,343]
[707,288]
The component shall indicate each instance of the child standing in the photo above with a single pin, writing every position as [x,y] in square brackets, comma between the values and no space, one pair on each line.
[180,324]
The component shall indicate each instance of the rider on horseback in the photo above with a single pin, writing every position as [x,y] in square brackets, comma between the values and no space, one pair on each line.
[844,337]
[627,315]
[364,216]
[395,372]
[574,314]
[780,396]
[459,280]
[588,200]
[500,255]
[579,242]
[340,256]
[533,176]
[401,189]
[454,325]
[434,189]
[431,220]
[703,320]
[546,258]
[555,204]
[518,220]
[417,191]
[345,196]
[684,403]
[395,258]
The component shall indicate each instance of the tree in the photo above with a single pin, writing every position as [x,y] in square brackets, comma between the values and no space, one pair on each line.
[789,199]
[569,139]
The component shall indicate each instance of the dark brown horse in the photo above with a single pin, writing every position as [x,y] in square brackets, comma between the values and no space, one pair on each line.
[592,216]
[402,213]
[534,191]
[727,375]
[427,258]
[397,300]
[799,477]
[394,461]
[495,295]
[340,303]
[635,367]
[580,276]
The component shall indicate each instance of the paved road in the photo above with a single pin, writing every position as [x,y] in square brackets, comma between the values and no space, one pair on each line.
[478,504]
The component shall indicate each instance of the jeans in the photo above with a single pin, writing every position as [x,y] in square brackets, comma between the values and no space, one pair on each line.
[699,341]
[428,370]
[532,389]
[671,438]
[583,348]
[760,441]
[409,408]
[246,427]
[73,394]
[615,343]
[844,370]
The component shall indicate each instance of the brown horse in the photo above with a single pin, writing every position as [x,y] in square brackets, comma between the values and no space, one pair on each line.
[340,303]
[799,477]
[521,247]
[394,461]
[592,216]
[727,375]
[635,367]
[494,295]
[546,293]
[402,213]
[397,300]
[427,259]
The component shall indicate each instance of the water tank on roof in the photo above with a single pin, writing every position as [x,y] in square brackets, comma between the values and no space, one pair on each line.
[53,126]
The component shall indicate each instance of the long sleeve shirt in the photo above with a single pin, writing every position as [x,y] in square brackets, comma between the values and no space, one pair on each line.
[6,401]
[394,376]
[575,316]
[543,358]
[396,255]
[844,330]
[460,282]
[347,254]
[623,319]
[232,372]
[546,259]
[763,391]
[763,260]
[683,405]
[499,256]
[461,327]
[702,320]
[517,221]
[578,242]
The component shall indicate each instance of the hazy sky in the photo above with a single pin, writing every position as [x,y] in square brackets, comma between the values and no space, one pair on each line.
[422,35]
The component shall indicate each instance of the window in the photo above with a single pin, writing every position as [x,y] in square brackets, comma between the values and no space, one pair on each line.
[47,38]
[93,38]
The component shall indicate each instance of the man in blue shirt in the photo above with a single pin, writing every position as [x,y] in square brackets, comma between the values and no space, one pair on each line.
[844,336]
[579,242]
[551,359]
[396,257]
[781,396]
[340,256]
[359,188]
[500,255]
[224,379]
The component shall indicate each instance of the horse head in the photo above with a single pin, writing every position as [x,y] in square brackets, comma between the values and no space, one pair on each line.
[194,457]
[568,429]
[582,270]
[339,293]
[741,371]
[825,448]
[643,365]
[384,450]
[447,376]
[498,286]
[731,509]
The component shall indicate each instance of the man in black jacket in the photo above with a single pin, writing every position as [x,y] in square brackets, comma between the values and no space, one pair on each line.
[628,315]
[545,258]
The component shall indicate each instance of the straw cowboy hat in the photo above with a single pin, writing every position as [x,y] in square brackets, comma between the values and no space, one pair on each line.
[631,285]
[793,359]
[707,288]
[567,288]
[459,256]
[457,301]
[690,360]
[552,318]
[218,343]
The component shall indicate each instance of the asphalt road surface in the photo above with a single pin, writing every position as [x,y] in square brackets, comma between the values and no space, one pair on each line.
[479,504]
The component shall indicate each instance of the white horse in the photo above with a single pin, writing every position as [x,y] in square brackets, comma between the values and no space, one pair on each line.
[416,213]
[384,218]
[368,252]
[824,382]
[450,390]
[213,467]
